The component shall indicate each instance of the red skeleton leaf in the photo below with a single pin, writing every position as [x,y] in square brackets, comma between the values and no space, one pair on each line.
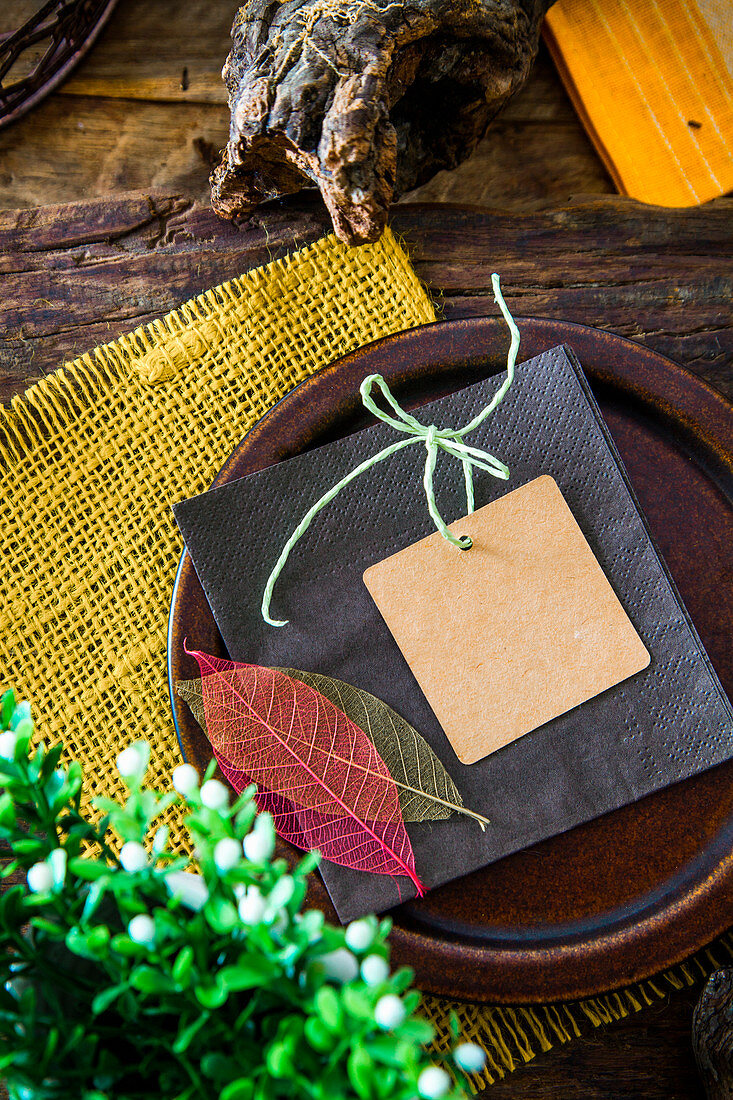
[316,771]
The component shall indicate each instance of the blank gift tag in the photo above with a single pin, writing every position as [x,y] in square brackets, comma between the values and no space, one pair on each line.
[515,631]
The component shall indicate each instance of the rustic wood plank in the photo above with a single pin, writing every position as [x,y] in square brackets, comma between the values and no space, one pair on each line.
[75,275]
[662,277]
[647,1056]
[79,275]
[522,165]
[161,51]
[147,109]
[73,147]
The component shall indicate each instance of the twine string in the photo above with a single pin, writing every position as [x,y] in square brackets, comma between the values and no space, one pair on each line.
[449,440]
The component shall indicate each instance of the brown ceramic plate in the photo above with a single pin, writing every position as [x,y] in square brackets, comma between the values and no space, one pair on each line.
[637,890]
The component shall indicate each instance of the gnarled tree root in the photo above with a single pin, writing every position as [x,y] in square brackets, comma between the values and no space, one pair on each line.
[364,99]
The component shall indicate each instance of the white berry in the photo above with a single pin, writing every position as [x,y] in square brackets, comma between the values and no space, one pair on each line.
[252,906]
[141,929]
[470,1057]
[258,846]
[188,887]
[389,1012]
[281,893]
[214,795]
[132,761]
[340,965]
[374,970]
[185,779]
[57,863]
[359,935]
[16,987]
[40,878]
[433,1083]
[227,854]
[8,740]
[133,856]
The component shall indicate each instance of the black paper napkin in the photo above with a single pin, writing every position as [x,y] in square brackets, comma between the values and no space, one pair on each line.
[660,726]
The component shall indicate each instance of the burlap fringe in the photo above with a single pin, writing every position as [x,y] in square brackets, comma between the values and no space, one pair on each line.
[513,1036]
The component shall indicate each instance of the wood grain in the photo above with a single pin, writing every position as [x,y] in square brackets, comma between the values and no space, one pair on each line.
[147,109]
[648,1055]
[77,275]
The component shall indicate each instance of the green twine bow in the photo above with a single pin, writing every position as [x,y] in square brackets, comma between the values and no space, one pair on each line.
[435,439]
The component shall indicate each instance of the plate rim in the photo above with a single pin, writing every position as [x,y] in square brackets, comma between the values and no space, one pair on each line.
[531,975]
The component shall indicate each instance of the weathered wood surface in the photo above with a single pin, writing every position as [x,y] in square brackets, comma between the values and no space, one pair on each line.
[147,109]
[712,1035]
[75,276]
[647,1056]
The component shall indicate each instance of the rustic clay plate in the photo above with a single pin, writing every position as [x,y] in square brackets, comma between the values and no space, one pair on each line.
[620,898]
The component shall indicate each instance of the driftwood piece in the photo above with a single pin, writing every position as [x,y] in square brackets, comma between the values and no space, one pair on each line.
[365,99]
[712,1035]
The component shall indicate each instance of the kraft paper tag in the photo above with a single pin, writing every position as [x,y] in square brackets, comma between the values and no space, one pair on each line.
[512,633]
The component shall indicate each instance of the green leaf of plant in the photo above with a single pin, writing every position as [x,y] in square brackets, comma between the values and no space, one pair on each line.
[50,762]
[360,1069]
[386,1049]
[210,996]
[51,928]
[27,846]
[94,900]
[183,965]
[7,706]
[279,1060]
[247,974]
[146,979]
[221,915]
[218,1066]
[20,714]
[7,811]
[308,863]
[419,1032]
[88,944]
[106,997]
[88,869]
[358,1003]
[317,1034]
[241,1089]
[185,1037]
[426,790]
[328,1007]
[123,945]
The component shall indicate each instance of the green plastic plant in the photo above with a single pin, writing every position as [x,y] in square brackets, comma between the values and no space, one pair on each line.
[133,973]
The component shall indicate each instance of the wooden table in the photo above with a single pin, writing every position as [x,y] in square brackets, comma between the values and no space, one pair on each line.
[73,276]
[146,110]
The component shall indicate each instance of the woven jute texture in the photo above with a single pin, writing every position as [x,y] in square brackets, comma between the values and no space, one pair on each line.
[91,459]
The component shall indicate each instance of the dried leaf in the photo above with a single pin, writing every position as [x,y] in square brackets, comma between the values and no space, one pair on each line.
[426,790]
[191,693]
[319,774]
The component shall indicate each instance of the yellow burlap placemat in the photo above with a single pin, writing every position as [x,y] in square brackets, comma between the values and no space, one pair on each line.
[91,459]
